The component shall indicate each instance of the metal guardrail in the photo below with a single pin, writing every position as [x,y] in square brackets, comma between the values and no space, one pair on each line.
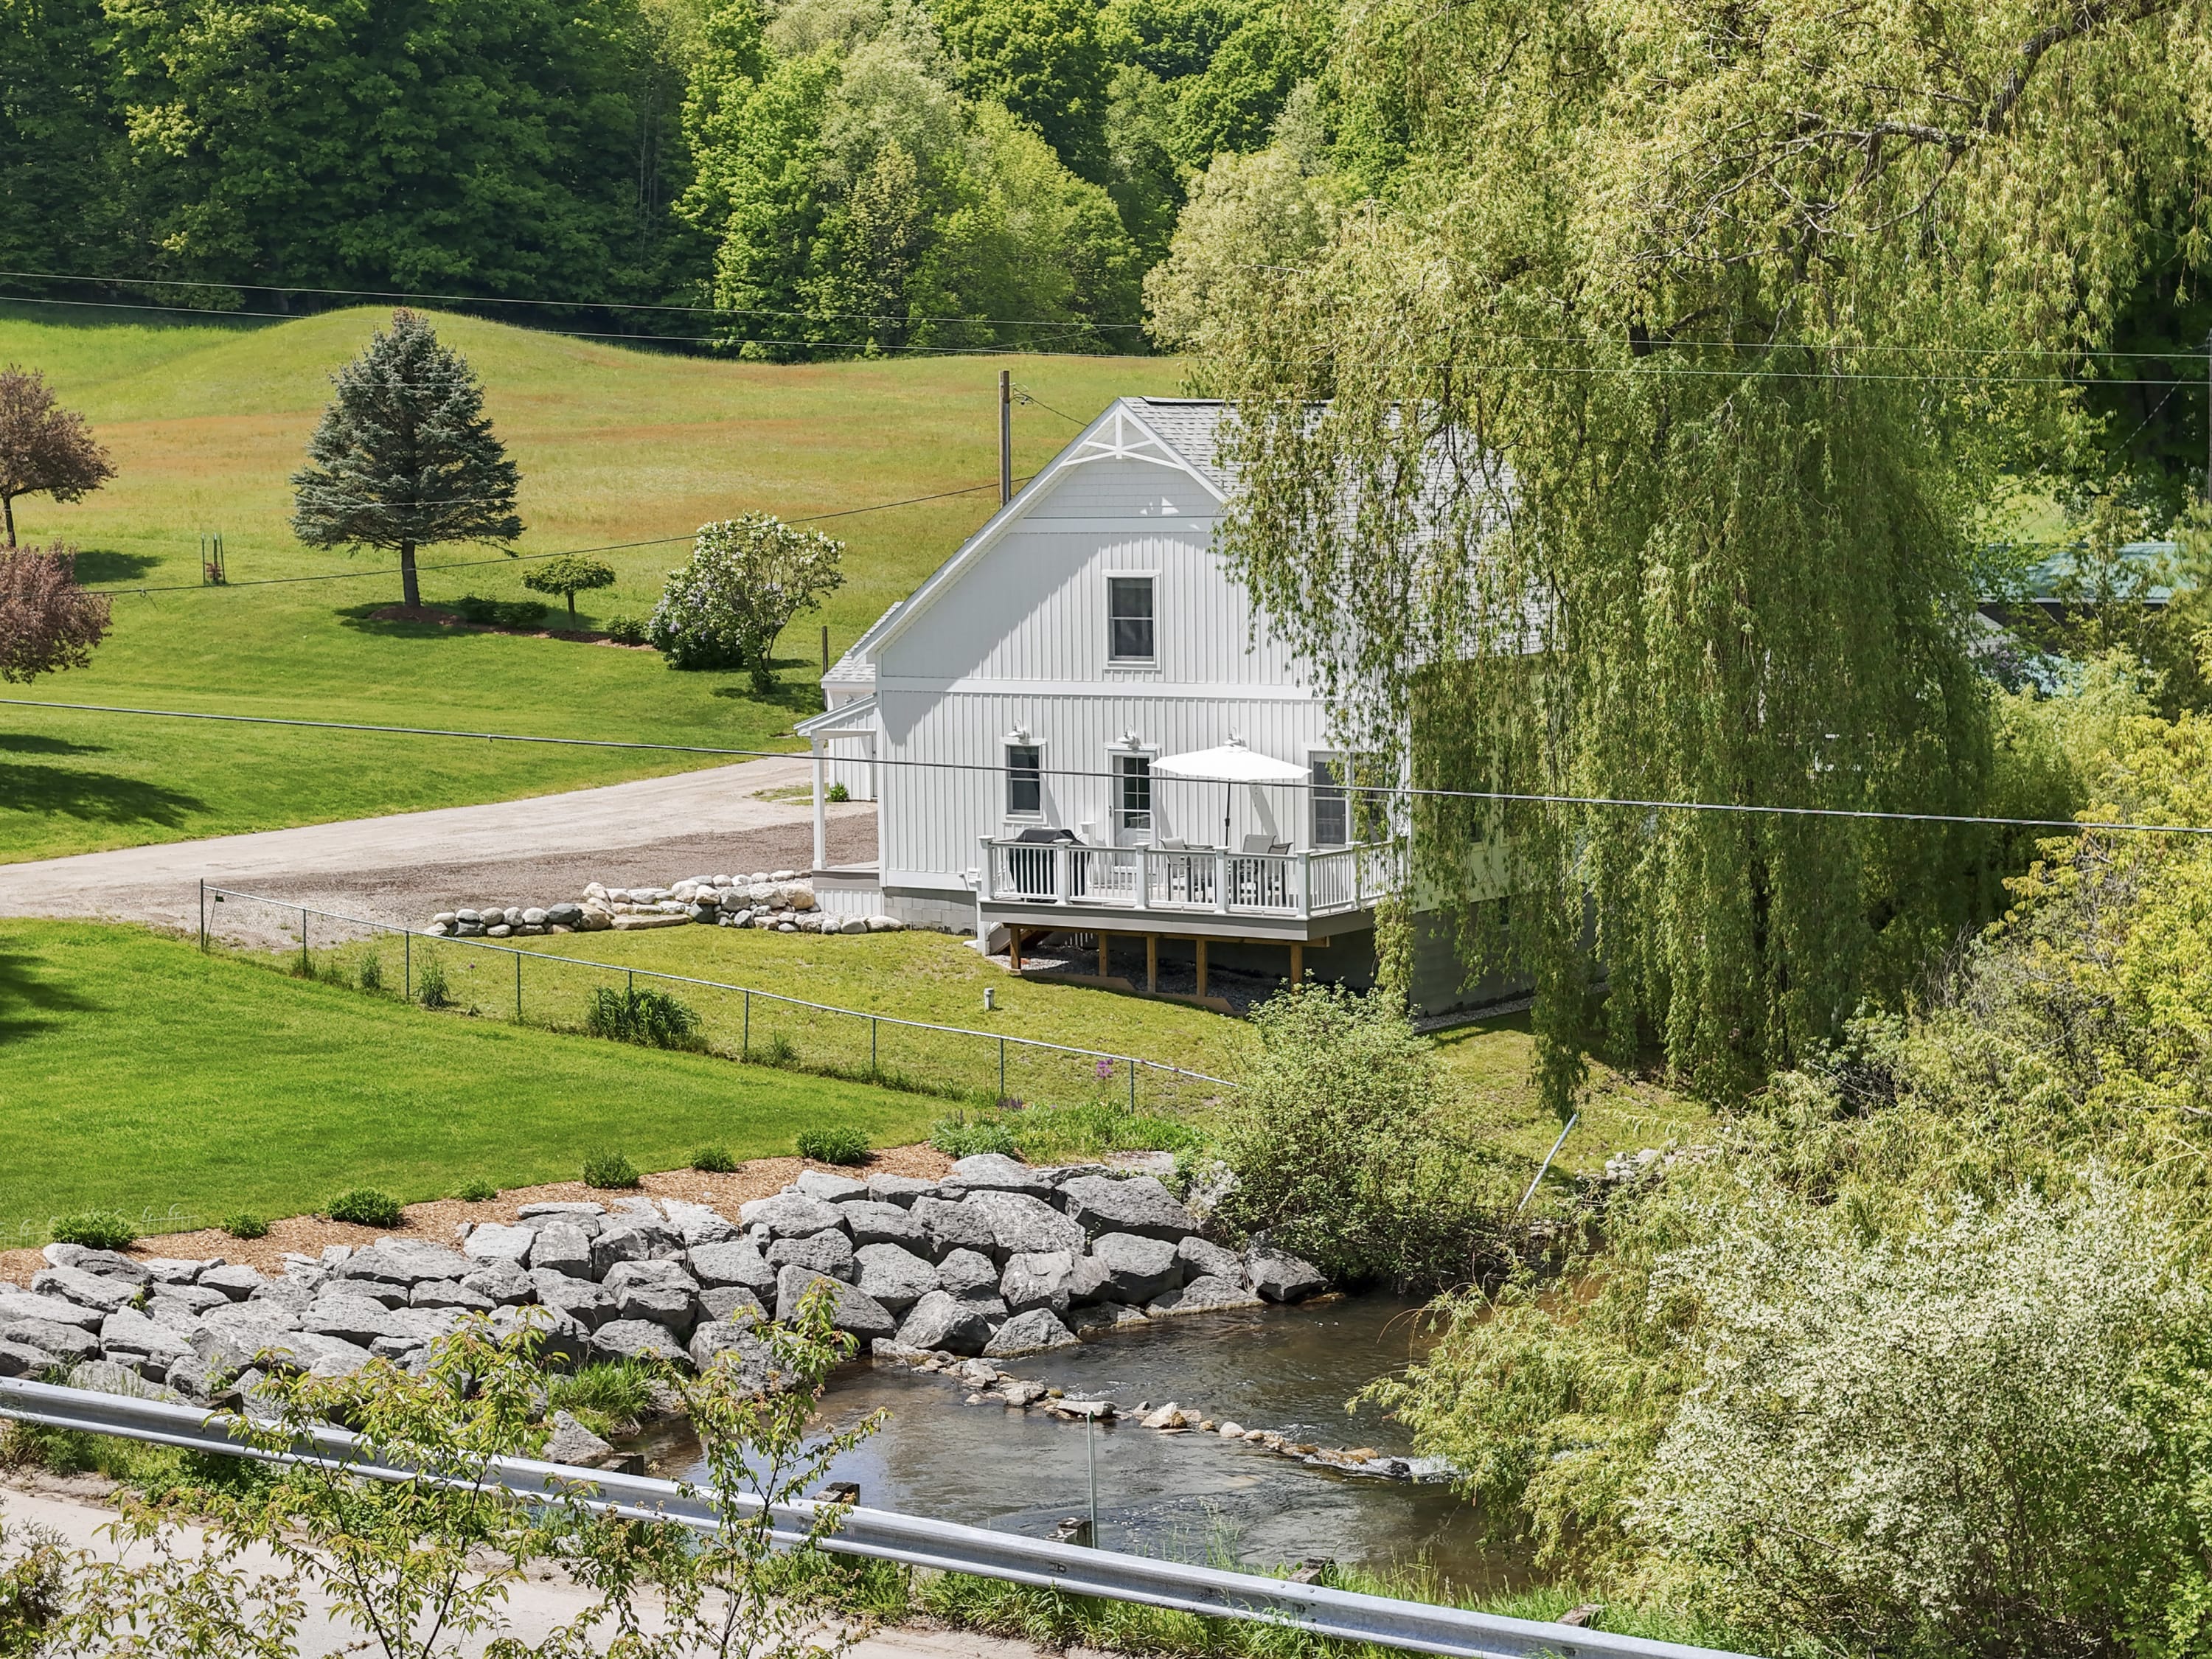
[884,1534]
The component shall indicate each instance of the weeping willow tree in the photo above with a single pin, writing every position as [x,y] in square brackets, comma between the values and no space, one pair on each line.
[1631,446]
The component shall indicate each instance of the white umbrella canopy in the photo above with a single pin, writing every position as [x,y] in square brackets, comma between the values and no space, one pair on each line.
[1230,764]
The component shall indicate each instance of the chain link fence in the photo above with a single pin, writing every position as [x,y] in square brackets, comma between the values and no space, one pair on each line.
[540,987]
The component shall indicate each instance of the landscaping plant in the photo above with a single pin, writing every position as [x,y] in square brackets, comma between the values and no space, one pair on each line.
[747,578]
[45,449]
[96,1230]
[431,989]
[713,1160]
[611,1171]
[500,613]
[365,1206]
[570,575]
[963,1136]
[478,1191]
[47,623]
[245,1224]
[834,1143]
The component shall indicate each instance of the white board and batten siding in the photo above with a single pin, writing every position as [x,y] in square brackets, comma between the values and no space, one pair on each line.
[1012,637]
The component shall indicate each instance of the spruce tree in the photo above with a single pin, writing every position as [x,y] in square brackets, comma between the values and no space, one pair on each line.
[405,455]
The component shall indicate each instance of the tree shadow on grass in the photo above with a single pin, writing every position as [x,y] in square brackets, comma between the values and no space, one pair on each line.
[30,1002]
[98,797]
[798,696]
[362,619]
[25,743]
[97,564]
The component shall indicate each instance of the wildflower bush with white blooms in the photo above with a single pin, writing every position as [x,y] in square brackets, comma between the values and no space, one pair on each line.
[1985,1437]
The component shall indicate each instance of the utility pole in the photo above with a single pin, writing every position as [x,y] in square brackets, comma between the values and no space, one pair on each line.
[1005,436]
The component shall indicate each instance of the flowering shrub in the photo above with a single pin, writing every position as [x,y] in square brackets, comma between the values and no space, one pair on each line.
[747,578]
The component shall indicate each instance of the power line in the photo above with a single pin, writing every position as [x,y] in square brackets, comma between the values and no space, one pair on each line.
[1398,791]
[526,559]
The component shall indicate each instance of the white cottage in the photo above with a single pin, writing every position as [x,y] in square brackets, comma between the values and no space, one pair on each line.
[1079,725]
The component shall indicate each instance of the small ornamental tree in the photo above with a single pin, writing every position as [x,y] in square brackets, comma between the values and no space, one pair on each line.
[568,576]
[747,578]
[405,455]
[47,623]
[45,449]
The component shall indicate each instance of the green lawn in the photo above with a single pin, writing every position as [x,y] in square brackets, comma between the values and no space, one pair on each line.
[136,1073]
[205,421]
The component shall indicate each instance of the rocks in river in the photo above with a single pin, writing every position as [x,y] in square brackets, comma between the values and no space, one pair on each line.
[1032,1332]
[1041,1280]
[947,1226]
[1206,1295]
[1135,1268]
[1281,1277]
[636,1339]
[940,1320]
[574,1445]
[969,1274]
[1202,1258]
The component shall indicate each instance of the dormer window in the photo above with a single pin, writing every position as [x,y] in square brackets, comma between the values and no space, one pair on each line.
[1129,619]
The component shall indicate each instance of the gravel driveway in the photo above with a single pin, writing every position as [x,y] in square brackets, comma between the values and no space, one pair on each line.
[402,868]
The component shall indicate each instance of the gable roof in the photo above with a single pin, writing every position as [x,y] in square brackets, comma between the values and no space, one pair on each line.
[1176,433]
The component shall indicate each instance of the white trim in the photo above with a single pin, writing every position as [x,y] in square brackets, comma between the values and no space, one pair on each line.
[1215,691]
[854,717]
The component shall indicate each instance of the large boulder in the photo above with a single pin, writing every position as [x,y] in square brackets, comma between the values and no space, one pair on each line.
[495,1242]
[504,1282]
[996,1172]
[573,1445]
[719,1302]
[19,1304]
[1100,1203]
[791,1215]
[738,1262]
[581,1213]
[1041,1278]
[64,1342]
[1203,1259]
[939,1321]
[968,1274]
[696,1223]
[635,1339]
[106,1264]
[820,1252]
[452,1293]
[404,1261]
[1021,1223]
[146,1345]
[871,1223]
[350,1317]
[902,1190]
[659,1291]
[829,1188]
[1033,1332]
[173,1301]
[862,1316]
[1203,1296]
[1134,1269]
[947,1226]
[562,1247]
[630,1238]
[1281,1277]
[893,1276]
[87,1290]
[237,1280]
[21,1359]
[587,1303]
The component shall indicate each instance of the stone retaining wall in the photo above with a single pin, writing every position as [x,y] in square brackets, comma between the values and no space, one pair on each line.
[779,900]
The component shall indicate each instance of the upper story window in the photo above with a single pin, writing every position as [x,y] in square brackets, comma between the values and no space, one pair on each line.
[1129,619]
[1332,806]
[1024,780]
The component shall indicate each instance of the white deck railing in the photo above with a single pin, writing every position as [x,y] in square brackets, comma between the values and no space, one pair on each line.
[1067,874]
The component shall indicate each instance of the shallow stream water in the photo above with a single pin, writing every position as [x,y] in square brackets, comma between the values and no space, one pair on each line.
[1192,1495]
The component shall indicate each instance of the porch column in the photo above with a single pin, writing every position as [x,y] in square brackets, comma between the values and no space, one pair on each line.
[821,813]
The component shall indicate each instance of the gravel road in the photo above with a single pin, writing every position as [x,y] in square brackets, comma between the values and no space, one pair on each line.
[726,819]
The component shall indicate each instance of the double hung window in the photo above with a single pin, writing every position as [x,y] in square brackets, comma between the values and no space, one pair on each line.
[1024,780]
[1129,619]
[1332,806]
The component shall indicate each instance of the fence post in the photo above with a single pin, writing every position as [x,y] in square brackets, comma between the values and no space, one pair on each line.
[872,1045]
[202,916]
[407,967]
[518,987]
[746,1043]
[306,968]
[1002,1071]
[1131,1062]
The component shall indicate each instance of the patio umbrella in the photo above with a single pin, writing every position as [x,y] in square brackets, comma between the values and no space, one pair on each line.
[1230,764]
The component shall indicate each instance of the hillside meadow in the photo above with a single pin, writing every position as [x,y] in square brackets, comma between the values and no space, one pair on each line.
[207,418]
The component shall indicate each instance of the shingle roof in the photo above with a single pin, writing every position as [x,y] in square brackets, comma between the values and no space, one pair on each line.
[1190,426]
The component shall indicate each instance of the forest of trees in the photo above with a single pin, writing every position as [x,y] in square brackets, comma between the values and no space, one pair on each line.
[882,174]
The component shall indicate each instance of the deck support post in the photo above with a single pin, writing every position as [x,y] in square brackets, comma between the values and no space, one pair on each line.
[1297,964]
[1201,967]
[1014,947]
[1103,937]
[1151,964]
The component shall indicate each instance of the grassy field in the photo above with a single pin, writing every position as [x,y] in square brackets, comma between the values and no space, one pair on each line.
[933,979]
[206,420]
[136,1073]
